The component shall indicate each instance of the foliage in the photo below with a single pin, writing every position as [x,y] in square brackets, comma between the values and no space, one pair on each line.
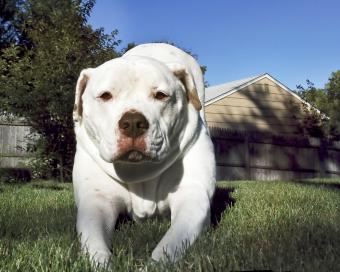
[333,97]
[279,226]
[10,24]
[327,100]
[313,123]
[37,82]
[14,175]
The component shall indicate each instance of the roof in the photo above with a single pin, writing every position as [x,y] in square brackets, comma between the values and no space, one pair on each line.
[221,89]
[217,92]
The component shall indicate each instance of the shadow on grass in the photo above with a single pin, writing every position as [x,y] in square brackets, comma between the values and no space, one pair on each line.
[222,201]
[319,184]
[122,220]
[53,187]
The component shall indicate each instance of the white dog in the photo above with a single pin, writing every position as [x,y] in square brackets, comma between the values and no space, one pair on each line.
[142,148]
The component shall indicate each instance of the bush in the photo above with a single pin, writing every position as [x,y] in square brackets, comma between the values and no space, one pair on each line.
[15,175]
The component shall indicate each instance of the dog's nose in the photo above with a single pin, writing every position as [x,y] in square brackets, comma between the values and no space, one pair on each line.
[133,124]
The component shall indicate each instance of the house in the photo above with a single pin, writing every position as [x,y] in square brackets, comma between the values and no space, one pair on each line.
[260,103]
[256,124]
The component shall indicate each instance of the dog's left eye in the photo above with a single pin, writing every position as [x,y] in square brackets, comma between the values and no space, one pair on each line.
[105,96]
[160,95]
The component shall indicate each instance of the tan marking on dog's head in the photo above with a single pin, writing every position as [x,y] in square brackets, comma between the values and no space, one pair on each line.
[80,89]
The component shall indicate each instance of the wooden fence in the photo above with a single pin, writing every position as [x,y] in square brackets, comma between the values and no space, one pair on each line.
[257,156]
[13,143]
[239,155]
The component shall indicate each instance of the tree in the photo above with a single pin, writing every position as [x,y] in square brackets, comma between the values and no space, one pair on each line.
[8,31]
[38,82]
[333,98]
[314,120]
[327,100]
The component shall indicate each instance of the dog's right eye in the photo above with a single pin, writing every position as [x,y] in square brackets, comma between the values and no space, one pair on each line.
[160,95]
[105,96]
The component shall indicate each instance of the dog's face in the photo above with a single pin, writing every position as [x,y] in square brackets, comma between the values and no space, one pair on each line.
[135,110]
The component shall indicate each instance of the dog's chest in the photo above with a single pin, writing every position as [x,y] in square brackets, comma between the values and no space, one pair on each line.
[146,200]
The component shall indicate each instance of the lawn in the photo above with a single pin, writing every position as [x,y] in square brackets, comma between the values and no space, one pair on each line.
[280,226]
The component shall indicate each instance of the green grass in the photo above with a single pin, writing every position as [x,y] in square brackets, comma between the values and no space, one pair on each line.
[279,226]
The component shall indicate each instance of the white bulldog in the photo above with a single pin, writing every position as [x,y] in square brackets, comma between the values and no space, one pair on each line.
[142,148]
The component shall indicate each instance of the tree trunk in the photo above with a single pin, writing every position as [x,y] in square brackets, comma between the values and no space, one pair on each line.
[61,169]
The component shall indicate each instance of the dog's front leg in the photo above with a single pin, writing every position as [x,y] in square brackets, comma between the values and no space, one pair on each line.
[190,214]
[96,220]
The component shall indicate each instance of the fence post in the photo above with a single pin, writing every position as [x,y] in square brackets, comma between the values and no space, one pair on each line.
[61,168]
[247,157]
[322,157]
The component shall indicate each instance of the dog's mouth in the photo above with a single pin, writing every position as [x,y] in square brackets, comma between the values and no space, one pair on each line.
[133,156]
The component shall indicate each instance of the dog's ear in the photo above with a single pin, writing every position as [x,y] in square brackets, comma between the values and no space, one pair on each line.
[188,81]
[80,88]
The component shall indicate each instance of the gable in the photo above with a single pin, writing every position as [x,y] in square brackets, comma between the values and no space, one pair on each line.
[264,105]
[218,91]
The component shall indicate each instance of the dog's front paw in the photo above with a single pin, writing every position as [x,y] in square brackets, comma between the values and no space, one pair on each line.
[157,255]
[148,265]
[165,254]
[100,258]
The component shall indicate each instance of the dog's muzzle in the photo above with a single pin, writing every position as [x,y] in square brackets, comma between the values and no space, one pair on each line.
[131,144]
[133,124]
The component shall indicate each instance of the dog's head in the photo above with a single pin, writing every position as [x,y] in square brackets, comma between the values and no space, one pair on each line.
[135,111]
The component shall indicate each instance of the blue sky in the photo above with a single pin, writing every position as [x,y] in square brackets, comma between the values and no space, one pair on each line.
[291,40]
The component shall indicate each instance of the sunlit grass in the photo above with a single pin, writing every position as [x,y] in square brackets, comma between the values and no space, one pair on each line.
[264,225]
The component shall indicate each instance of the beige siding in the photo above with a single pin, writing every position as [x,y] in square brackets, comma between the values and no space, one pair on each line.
[255,119]
[262,106]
